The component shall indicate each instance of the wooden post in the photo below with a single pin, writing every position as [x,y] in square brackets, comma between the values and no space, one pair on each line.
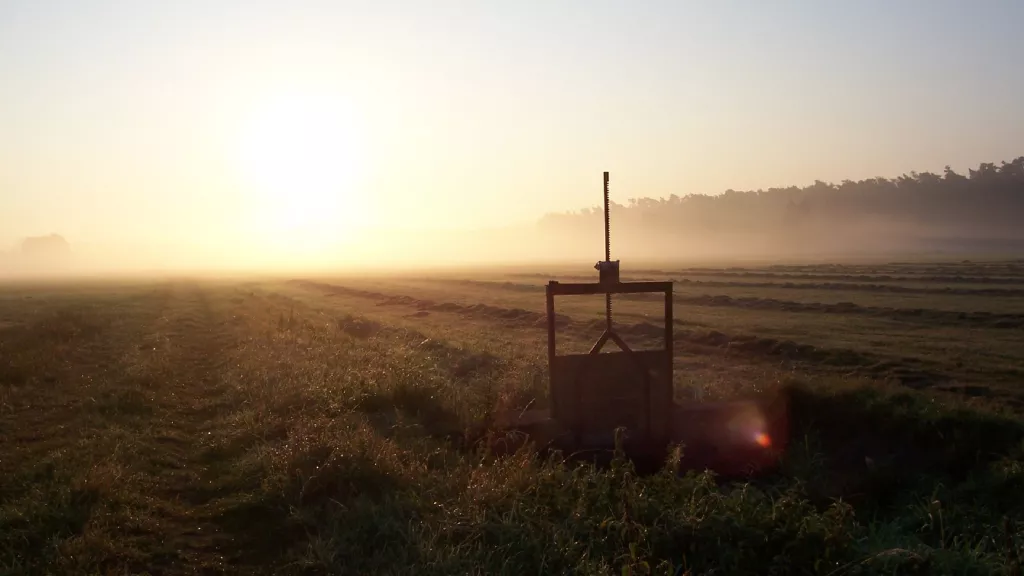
[666,424]
[669,321]
[551,348]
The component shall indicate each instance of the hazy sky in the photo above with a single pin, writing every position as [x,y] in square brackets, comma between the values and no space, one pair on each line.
[208,123]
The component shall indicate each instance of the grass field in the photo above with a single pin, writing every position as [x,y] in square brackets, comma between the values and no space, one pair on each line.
[321,425]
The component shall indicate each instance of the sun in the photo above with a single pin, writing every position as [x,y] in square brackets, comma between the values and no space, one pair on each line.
[300,163]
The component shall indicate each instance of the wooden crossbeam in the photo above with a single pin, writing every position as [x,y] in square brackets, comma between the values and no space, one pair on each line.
[583,288]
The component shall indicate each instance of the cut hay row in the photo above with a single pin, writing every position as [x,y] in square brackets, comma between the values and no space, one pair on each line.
[928,316]
[906,370]
[820,276]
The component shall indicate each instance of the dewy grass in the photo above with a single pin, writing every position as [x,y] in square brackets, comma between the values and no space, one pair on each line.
[221,438]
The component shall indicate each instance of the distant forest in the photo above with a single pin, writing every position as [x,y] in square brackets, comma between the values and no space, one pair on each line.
[981,210]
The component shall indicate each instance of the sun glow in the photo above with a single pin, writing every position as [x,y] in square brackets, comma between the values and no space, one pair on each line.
[301,166]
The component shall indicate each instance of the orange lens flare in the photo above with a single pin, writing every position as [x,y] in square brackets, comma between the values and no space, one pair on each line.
[763,440]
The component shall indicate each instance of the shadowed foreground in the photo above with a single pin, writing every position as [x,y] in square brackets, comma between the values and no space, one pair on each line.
[178,427]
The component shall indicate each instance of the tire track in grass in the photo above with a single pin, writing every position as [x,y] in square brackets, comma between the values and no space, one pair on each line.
[133,399]
[182,488]
[79,410]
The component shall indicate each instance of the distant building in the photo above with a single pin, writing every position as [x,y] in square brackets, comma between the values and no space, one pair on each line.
[46,252]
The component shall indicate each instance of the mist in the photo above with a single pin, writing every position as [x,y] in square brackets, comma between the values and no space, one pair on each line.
[912,215]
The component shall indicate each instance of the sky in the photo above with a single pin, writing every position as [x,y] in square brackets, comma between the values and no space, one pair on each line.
[284,126]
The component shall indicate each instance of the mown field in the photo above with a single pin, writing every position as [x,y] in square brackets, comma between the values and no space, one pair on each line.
[322,424]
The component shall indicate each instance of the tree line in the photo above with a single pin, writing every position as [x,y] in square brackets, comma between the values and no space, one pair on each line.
[987,202]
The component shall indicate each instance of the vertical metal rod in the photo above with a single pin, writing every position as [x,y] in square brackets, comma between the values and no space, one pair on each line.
[607,250]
